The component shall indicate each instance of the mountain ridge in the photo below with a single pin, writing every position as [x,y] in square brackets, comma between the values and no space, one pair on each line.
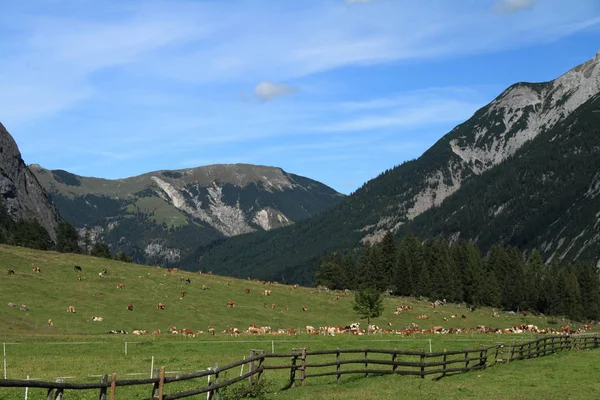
[491,137]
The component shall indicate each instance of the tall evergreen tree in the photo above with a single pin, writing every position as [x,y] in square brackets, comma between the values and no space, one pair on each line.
[408,266]
[67,238]
[387,261]
[100,250]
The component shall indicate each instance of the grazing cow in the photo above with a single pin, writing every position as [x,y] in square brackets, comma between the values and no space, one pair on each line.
[286,308]
[295,286]
[248,290]
[78,277]
[100,274]
[97,319]
[156,332]
[267,292]
[337,298]
[496,314]
[11,304]
[117,331]
[310,329]
[231,304]
[463,316]
[173,329]
[273,306]
[104,271]
[188,332]
[77,268]
[204,287]
[24,307]
[228,283]
[188,280]
[71,309]
[265,305]
[304,308]
[172,269]
[211,330]
[10,271]
[121,286]
[130,307]
[161,306]
[37,269]
[525,313]
[50,324]
[182,294]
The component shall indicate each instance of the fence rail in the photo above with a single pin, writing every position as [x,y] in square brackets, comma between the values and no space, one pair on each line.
[401,362]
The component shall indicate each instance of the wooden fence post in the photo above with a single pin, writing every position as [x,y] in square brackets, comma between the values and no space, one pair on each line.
[422,364]
[596,341]
[216,391]
[161,383]
[260,363]
[113,386]
[366,363]
[466,359]
[444,360]
[394,359]
[339,366]
[252,354]
[103,389]
[293,370]
[303,366]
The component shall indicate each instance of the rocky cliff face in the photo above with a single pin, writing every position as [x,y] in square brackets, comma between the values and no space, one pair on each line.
[160,216]
[493,134]
[21,193]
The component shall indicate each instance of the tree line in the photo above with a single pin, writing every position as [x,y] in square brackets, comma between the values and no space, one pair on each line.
[459,272]
[31,234]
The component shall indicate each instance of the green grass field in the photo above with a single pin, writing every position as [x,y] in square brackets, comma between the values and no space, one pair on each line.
[79,350]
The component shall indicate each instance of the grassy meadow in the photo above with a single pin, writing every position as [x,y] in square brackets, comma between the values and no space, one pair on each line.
[77,349]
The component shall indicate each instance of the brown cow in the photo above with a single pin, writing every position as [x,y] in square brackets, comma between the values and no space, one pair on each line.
[267,293]
[156,332]
[228,283]
[248,290]
[211,330]
[182,294]
[304,308]
[273,306]
[130,307]
[204,287]
[37,269]
[121,286]
[231,304]
[78,277]
[50,323]
[161,306]
[71,309]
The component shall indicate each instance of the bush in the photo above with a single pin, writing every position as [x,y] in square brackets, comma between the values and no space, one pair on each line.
[258,390]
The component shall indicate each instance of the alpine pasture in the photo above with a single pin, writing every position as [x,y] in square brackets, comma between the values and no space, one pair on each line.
[78,349]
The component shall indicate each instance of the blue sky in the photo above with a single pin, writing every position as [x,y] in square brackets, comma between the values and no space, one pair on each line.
[335,90]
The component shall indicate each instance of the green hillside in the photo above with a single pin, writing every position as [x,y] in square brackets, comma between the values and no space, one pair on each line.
[48,294]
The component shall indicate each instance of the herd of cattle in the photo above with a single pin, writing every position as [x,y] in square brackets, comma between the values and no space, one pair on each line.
[353,328]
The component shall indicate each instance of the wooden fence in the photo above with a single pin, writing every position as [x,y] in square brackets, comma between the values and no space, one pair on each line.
[360,361]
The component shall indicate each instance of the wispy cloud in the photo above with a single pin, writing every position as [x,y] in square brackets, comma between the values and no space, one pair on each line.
[513,6]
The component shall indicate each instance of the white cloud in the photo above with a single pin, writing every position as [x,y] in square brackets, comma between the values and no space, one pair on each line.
[266,91]
[513,6]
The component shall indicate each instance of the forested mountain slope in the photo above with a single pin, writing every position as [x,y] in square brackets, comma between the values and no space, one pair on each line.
[488,141]
[161,216]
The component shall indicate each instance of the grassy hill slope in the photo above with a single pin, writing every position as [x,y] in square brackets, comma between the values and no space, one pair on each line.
[49,293]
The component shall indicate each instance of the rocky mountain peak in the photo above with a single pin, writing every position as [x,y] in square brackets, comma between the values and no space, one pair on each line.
[20,191]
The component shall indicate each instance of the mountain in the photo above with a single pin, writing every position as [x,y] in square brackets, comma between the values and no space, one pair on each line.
[20,192]
[159,217]
[530,130]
